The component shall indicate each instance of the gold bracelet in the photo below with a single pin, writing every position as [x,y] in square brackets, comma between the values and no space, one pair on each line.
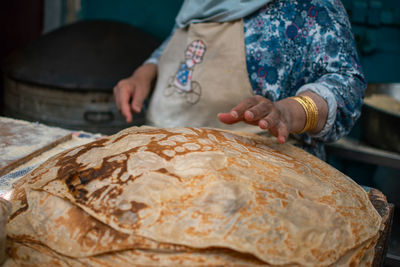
[311,110]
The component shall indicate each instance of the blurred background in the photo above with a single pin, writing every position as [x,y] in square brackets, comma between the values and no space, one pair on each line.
[37,49]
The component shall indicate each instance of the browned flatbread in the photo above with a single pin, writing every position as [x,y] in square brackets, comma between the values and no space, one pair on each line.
[69,230]
[39,255]
[184,190]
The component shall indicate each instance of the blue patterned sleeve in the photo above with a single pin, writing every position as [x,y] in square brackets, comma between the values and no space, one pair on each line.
[334,57]
[297,45]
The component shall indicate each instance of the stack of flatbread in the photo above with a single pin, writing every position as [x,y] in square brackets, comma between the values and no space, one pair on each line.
[189,197]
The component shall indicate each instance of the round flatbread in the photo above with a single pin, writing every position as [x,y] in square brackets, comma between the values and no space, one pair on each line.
[192,189]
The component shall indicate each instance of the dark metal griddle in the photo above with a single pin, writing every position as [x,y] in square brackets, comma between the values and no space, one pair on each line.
[87,55]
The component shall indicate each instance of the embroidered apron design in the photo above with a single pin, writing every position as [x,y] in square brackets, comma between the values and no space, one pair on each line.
[201,73]
[182,82]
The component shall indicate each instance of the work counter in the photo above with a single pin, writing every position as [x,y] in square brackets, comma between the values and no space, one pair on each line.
[25,145]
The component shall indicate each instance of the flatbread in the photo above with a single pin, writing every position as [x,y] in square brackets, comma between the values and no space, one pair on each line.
[69,230]
[33,254]
[196,188]
[39,255]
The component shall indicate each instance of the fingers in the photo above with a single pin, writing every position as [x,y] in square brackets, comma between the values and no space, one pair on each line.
[239,112]
[260,111]
[271,120]
[229,117]
[123,99]
[129,95]
[280,131]
[123,93]
[139,96]
[275,123]
[283,133]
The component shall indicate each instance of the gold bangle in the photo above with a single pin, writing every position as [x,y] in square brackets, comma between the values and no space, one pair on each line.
[311,110]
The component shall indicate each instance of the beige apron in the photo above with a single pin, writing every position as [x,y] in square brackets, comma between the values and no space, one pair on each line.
[201,73]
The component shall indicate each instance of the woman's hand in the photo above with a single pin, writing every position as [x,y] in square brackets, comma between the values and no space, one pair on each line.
[258,110]
[280,118]
[131,92]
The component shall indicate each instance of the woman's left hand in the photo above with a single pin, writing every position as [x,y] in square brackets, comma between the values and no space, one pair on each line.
[280,118]
[258,110]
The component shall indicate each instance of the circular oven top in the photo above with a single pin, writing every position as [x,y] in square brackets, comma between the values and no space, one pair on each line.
[88,55]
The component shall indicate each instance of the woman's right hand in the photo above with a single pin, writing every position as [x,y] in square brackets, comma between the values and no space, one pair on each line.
[131,92]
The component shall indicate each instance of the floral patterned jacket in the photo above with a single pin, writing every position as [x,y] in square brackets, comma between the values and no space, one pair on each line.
[298,45]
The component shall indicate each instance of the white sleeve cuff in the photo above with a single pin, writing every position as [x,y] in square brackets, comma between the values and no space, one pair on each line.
[329,97]
[151,60]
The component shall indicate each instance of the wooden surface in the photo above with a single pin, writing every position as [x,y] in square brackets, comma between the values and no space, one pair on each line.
[20,141]
[386,210]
